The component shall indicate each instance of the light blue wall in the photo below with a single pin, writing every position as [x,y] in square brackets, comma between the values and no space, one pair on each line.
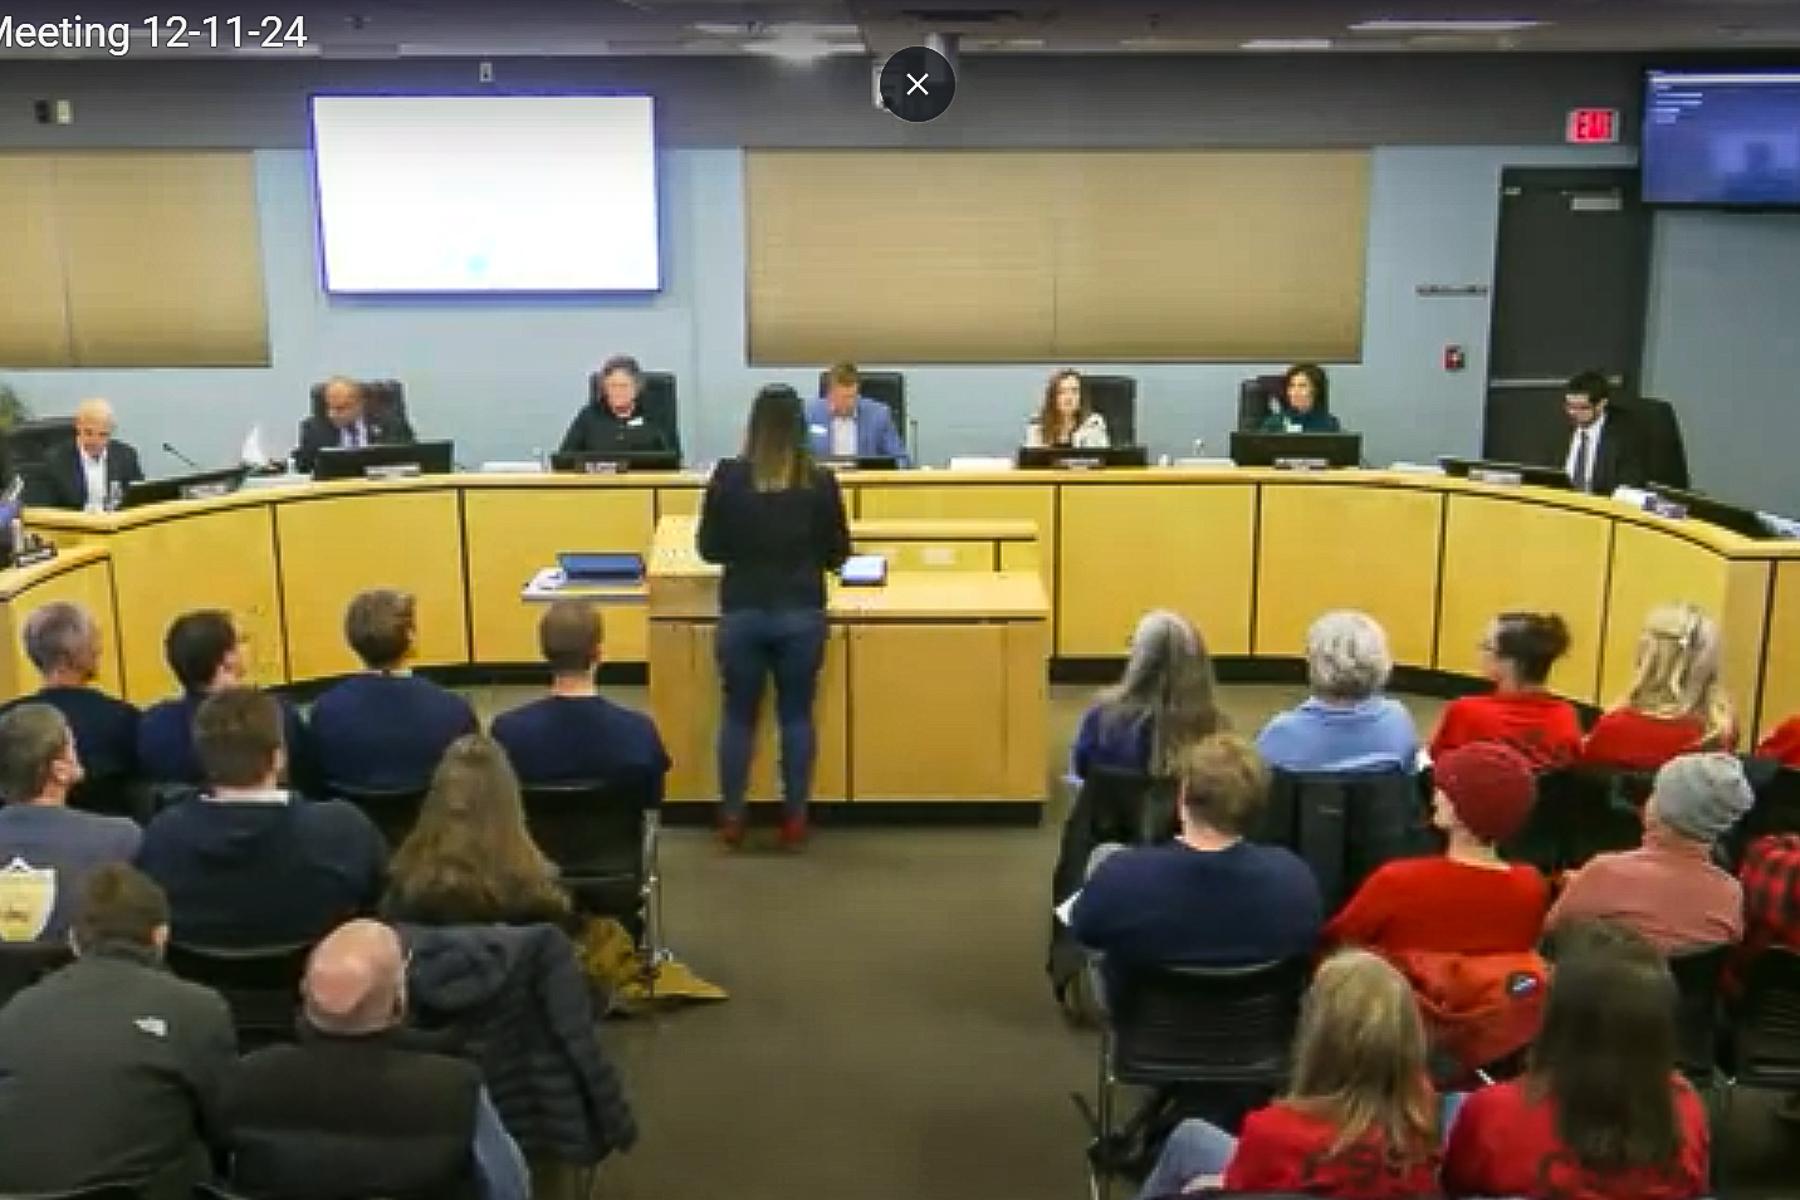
[504,377]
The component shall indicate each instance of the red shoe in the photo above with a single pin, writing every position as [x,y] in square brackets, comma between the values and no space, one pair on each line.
[730,832]
[793,833]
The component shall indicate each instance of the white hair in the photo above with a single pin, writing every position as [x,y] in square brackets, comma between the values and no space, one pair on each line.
[96,409]
[1347,656]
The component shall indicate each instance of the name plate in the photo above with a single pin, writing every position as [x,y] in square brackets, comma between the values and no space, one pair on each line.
[604,466]
[35,553]
[205,491]
[1081,464]
[1302,464]
[392,471]
[1502,478]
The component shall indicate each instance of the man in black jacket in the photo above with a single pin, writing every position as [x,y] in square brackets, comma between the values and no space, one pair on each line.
[1604,450]
[89,474]
[110,1069]
[348,424]
[352,1110]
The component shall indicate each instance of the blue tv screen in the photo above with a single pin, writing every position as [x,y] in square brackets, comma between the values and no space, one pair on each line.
[1722,138]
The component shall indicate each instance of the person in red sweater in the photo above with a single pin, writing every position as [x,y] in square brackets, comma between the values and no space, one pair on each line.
[1466,901]
[1784,744]
[1517,654]
[1675,705]
[1360,1122]
[1600,1113]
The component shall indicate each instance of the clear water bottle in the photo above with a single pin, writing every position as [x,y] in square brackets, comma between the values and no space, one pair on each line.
[115,495]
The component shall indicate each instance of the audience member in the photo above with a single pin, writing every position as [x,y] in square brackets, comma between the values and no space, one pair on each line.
[386,729]
[575,734]
[1359,1121]
[1209,897]
[1675,705]
[469,859]
[110,1069]
[47,849]
[206,653]
[62,640]
[1601,1113]
[1771,880]
[352,1110]
[248,864]
[1517,654]
[1466,901]
[1783,745]
[1347,724]
[1668,890]
[1164,704]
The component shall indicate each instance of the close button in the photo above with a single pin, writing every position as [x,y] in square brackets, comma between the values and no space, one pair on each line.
[917,84]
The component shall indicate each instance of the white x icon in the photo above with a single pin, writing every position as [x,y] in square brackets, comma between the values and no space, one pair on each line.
[917,82]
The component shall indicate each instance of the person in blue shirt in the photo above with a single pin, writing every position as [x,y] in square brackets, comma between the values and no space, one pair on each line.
[386,729]
[62,640]
[844,423]
[206,653]
[576,735]
[1347,724]
[1164,704]
[1305,397]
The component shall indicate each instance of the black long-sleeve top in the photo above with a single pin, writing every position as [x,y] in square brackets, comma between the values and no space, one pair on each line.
[775,546]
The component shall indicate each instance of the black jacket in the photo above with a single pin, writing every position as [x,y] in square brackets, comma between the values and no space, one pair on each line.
[110,1072]
[1619,460]
[775,546]
[317,433]
[335,1118]
[519,1003]
[596,431]
[64,485]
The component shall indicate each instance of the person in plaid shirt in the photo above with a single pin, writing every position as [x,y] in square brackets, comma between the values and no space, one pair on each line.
[1771,878]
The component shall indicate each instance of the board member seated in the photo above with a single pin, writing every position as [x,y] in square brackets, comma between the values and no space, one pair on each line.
[1517,654]
[1604,451]
[844,423]
[1676,705]
[62,640]
[1305,394]
[347,424]
[386,729]
[90,474]
[614,421]
[1065,420]
[1347,724]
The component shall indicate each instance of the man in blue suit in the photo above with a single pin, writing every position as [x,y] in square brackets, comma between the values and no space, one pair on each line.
[844,423]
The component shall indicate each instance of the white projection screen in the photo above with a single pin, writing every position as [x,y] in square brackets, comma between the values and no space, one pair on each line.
[448,194]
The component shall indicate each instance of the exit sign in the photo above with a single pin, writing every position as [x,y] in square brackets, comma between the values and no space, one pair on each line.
[1592,126]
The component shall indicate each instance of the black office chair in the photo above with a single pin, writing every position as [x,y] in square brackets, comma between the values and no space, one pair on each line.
[212,1191]
[603,838]
[393,811]
[657,398]
[28,447]
[1178,1031]
[100,1191]
[1114,397]
[1660,428]
[384,401]
[1258,396]
[1765,1036]
[889,387]
[1776,810]
[24,963]
[1344,824]
[1697,975]
[1606,809]
[261,985]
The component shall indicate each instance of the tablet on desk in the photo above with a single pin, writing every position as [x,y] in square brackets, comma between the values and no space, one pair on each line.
[864,570]
[601,567]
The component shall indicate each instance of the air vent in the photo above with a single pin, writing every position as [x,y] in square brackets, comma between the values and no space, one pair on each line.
[962,16]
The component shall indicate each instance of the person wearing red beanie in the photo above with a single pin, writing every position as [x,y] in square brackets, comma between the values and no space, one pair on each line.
[1466,901]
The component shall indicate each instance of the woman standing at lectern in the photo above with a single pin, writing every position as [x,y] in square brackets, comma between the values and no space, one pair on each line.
[774,519]
[1304,394]
[1064,419]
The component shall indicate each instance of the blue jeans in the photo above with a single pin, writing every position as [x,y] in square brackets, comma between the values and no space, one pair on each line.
[754,644]
[1194,1149]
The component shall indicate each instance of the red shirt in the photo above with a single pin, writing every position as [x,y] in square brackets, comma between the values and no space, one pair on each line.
[1630,740]
[1541,727]
[1783,744]
[1504,1144]
[1284,1150]
[1438,904]
[1771,878]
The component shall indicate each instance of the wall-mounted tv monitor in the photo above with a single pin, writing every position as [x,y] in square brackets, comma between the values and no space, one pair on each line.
[1722,138]
[485,194]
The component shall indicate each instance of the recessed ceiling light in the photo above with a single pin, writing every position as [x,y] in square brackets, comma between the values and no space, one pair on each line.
[801,50]
[1297,43]
[1446,25]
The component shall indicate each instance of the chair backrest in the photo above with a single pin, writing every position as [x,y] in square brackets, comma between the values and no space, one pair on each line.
[1768,1020]
[1114,397]
[1660,428]
[1258,396]
[383,399]
[392,810]
[29,442]
[656,396]
[1191,1024]
[889,387]
[261,984]
[1605,809]
[24,963]
[99,1191]
[1344,824]
[1129,807]
[1777,807]
[595,833]
[1697,974]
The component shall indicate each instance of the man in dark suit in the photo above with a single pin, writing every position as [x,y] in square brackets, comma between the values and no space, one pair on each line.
[348,424]
[1604,450]
[90,473]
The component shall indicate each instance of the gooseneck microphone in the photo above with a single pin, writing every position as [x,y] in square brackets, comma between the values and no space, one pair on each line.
[169,446]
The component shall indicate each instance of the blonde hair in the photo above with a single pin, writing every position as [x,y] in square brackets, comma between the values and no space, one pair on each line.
[1678,671]
[1359,1058]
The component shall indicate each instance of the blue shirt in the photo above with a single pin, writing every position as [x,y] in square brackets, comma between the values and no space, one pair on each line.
[1376,734]
[105,727]
[1109,739]
[569,739]
[165,744]
[387,732]
[68,844]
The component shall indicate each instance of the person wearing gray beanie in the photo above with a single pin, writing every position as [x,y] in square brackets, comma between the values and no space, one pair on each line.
[1669,889]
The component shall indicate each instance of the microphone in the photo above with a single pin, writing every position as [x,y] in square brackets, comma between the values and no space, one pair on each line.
[170,448]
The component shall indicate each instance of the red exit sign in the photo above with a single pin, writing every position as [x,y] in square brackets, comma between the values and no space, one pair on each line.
[1592,126]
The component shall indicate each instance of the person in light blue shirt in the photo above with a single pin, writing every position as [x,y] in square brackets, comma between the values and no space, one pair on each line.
[1346,724]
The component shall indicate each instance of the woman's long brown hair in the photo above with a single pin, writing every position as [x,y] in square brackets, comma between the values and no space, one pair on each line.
[1047,412]
[775,443]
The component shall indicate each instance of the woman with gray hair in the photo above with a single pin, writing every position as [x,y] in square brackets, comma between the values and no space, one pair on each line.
[1346,724]
[1163,705]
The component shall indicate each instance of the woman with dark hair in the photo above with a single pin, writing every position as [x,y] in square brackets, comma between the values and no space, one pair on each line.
[1064,419]
[1601,1113]
[1517,654]
[1305,394]
[1164,704]
[613,421]
[774,519]
[470,860]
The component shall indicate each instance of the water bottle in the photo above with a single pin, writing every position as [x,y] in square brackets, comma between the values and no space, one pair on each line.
[115,495]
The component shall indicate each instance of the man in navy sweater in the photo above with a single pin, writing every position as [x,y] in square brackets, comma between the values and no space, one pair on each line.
[62,640]
[386,729]
[249,864]
[1209,898]
[575,734]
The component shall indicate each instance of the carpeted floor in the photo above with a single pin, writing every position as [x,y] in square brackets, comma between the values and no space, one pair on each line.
[890,1035]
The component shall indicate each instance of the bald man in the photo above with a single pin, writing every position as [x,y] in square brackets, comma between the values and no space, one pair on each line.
[351,1110]
[90,473]
[347,424]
